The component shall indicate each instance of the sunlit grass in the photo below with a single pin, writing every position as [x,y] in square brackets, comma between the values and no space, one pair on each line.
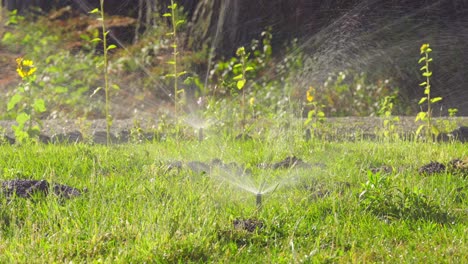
[136,210]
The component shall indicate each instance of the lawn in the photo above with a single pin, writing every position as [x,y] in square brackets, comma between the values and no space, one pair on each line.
[361,201]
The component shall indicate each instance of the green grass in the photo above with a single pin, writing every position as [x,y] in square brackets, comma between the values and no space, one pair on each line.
[136,211]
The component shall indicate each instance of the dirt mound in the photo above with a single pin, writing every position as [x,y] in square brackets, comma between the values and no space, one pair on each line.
[29,188]
[249,225]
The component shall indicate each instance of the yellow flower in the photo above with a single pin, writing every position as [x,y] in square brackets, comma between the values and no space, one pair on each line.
[310,97]
[424,48]
[25,68]
[252,101]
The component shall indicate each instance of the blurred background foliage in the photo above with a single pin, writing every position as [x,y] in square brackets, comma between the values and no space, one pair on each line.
[354,53]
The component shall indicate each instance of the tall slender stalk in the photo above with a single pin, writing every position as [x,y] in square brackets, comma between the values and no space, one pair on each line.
[241,79]
[175,23]
[426,73]
[106,74]
[174,56]
[106,49]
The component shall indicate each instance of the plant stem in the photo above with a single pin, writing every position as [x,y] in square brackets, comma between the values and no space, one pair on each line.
[174,54]
[30,108]
[243,93]
[429,111]
[106,77]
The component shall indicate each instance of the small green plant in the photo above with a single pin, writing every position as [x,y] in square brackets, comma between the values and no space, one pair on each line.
[176,22]
[426,116]
[383,199]
[315,116]
[250,62]
[106,49]
[27,108]
[447,125]
[389,121]
[241,79]
[452,112]
[61,83]
[351,93]
[13,17]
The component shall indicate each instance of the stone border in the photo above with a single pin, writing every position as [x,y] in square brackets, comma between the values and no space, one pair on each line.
[345,128]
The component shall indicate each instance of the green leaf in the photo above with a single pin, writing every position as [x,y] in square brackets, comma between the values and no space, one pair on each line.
[429,60]
[22,118]
[180,22]
[238,77]
[240,84]
[424,99]
[427,74]
[173,6]
[189,80]
[436,99]
[427,90]
[7,37]
[423,68]
[170,75]
[95,91]
[435,130]
[13,101]
[112,46]
[423,84]
[39,106]
[422,59]
[428,50]
[167,15]
[240,51]
[60,89]
[115,86]
[171,62]
[94,11]
[249,68]
[96,40]
[238,65]
[181,73]
[421,116]
[418,131]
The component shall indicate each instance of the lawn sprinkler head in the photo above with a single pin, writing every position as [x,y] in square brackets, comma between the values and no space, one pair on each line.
[200,134]
[308,134]
[259,200]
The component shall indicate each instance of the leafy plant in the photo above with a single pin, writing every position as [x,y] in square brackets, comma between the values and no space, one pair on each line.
[176,22]
[13,17]
[241,78]
[448,124]
[426,116]
[350,93]
[26,105]
[315,116]
[66,91]
[60,80]
[389,121]
[380,197]
[106,49]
